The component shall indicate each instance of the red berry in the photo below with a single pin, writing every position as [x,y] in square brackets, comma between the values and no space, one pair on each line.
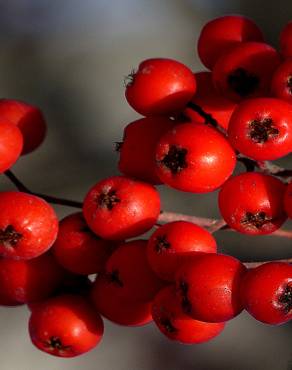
[119,208]
[222,33]
[11,142]
[78,249]
[65,326]
[252,203]
[281,85]
[286,41]
[137,151]
[262,128]
[194,158]
[129,274]
[213,103]
[246,70]
[29,120]
[28,225]
[160,87]
[176,325]
[209,287]
[266,292]
[28,281]
[117,309]
[288,200]
[175,243]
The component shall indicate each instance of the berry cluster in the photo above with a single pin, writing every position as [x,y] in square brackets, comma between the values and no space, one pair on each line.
[196,126]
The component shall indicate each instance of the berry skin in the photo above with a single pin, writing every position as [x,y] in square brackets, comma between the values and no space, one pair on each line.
[28,281]
[213,103]
[28,225]
[119,208]
[117,309]
[209,287]
[262,128]
[223,33]
[266,292]
[160,87]
[281,85]
[11,143]
[137,151]
[175,243]
[246,71]
[65,326]
[129,275]
[194,158]
[286,41]
[29,120]
[252,203]
[176,325]
[78,249]
[288,200]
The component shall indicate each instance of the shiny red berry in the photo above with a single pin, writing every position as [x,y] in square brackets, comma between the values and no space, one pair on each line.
[129,275]
[11,143]
[28,225]
[286,41]
[65,326]
[160,87]
[195,158]
[137,151]
[119,208]
[252,203]
[262,128]
[288,200]
[246,70]
[78,249]
[175,243]
[266,292]
[222,33]
[28,118]
[118,309]
[209,287]
[281,86]
[213,103]
[176,325]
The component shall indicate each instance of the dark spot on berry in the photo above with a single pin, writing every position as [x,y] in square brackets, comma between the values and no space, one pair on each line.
[175,159]
[242,82]
[118,146]
[114,277]
[55,343]
[9,237]
[161,243]
[289,84]
[285,299]
[167,324]
[130,78]
[185,303]
[256,219]
[261,131]
[108,200]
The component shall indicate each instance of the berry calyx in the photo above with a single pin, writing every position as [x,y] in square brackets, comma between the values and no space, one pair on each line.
[175,159]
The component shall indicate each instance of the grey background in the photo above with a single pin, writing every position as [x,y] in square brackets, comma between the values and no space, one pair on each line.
[69,58]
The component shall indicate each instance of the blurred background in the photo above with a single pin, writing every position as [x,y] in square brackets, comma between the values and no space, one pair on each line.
[70,58]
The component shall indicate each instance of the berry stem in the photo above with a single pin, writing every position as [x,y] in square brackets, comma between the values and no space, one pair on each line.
[208,117]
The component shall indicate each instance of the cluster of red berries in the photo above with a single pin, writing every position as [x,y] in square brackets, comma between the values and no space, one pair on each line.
[194,128]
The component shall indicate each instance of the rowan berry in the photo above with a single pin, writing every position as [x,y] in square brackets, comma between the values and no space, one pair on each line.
[128,273]
[175,243]
[213,103]
[286,41]
[281,85]
[11,143]
[209,287]
[28,225]
[288,200]
[160,86]
[246,70]
[252,203]
[195,158]
[262,128]
[137,151]
[28,118]
[117,309]
[176,325]
[78,249]
[119,208]
[222,33]
[65,326]
[266,292]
